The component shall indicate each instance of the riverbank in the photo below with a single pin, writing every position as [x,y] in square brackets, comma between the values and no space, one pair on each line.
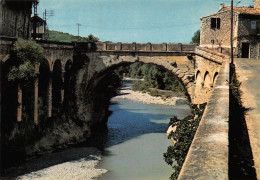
[73,163]
[127,93]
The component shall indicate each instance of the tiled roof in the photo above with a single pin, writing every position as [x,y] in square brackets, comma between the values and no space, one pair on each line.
[239,10]
[245,10]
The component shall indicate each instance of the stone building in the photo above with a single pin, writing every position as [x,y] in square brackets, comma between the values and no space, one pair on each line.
[38,27]
[15,18]
[215,30]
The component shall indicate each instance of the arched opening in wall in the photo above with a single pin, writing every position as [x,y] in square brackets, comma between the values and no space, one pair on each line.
[8,99]
[57,84]
[44,78]
[215,77]
[207,81]
[199,82]
[67,81]
[157,79]
[137,118]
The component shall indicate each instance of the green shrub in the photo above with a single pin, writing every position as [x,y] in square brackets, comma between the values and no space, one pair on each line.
[183,136]
[27,53]
[140,86]
[154,77]
[154,92]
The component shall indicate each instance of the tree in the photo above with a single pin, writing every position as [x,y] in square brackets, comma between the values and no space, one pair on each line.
[196,37]
[92,38]
[27,53]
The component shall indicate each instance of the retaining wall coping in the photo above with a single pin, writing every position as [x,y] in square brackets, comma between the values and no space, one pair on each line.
[208,154]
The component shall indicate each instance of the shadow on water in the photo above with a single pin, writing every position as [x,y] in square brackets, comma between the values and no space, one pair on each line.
[135,119]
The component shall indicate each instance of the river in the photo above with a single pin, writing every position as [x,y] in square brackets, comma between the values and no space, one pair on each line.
[136,140]
[132,148]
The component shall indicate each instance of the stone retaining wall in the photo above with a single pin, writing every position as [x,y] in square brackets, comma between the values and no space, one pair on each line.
[208,155]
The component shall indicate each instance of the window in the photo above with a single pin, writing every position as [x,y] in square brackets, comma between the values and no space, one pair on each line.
[253,24]
[215,23]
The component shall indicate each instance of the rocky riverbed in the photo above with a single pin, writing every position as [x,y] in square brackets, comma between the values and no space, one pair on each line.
[127,93]
[73,163]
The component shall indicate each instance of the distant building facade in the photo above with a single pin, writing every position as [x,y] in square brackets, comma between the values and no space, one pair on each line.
[215,30]
[15,16]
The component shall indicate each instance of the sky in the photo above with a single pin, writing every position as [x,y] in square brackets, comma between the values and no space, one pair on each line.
[154,21]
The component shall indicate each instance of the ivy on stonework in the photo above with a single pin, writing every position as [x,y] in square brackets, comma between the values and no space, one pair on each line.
[182,136]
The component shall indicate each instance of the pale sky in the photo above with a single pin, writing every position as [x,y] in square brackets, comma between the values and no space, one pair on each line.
[153,21]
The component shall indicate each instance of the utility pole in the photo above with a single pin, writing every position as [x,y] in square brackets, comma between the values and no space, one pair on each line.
[231,33]
[78,30]
[46,15]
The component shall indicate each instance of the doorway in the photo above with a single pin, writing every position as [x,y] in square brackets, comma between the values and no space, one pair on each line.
[245,50]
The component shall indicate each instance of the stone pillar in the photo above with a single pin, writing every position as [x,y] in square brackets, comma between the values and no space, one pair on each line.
[36,94]
[19,107]
[50,97]
[104,48]
[148,47]
[134,46]
[180,47]
[119,46]
[164,46]
[62,87]
[36,90]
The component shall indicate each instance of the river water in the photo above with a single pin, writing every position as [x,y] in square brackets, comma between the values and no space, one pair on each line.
[136,140]
[132,148]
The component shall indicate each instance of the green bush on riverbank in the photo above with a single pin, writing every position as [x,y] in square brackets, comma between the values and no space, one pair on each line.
[183,136]
[154,77]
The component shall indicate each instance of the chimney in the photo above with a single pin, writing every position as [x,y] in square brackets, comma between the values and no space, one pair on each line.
[256,3]
[222,5]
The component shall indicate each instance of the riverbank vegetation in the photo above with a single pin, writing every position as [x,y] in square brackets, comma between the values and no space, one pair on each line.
[182,136]
[155,78]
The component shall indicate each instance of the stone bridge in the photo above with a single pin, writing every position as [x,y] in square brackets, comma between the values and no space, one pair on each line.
[68,82]
[196,69]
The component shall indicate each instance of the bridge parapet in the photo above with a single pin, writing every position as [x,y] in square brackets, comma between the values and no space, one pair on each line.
[145,47]
[208,154]
[211,54]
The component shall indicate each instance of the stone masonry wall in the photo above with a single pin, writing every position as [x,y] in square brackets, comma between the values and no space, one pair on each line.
[208,154]
[14,20]
[220,36]
[248,35]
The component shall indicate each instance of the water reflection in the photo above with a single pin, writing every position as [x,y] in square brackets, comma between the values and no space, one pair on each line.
[136,140]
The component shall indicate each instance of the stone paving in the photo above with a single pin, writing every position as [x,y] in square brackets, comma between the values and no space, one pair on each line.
[248,73]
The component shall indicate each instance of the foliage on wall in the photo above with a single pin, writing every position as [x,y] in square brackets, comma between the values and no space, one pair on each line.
[27,53]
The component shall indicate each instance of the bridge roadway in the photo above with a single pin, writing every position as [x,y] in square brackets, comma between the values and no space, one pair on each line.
[248,73]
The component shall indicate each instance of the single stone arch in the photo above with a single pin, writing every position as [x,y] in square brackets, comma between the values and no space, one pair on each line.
[67,80]
[44,85]
[57,86]
[185,81]
[199,82]
[9,91]
[214,77]
[184,73]
[207,80]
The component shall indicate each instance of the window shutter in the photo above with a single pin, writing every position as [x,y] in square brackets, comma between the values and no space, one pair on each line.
[213,23]
[218,23]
